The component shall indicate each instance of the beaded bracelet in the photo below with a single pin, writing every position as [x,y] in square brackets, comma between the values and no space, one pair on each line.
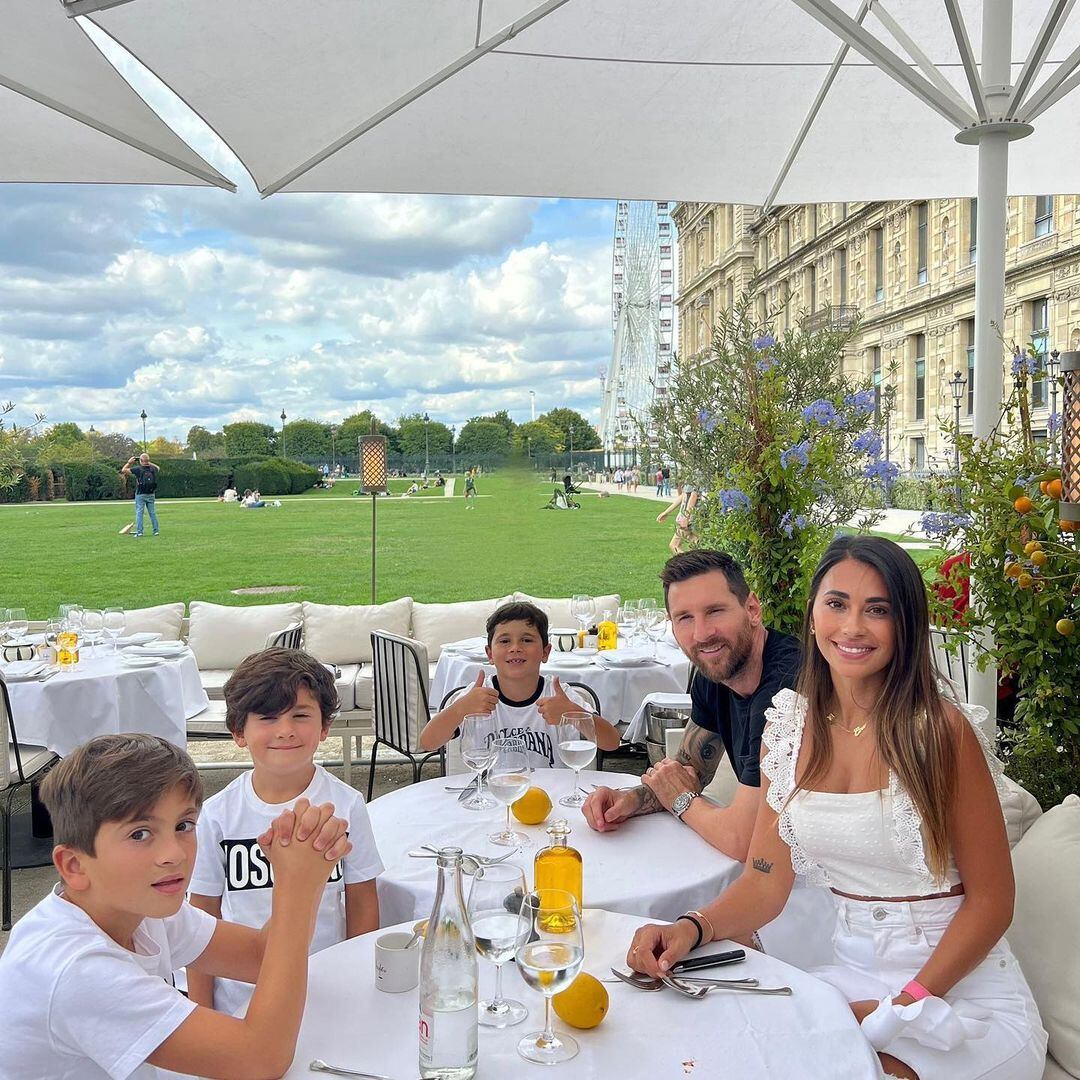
[697,926]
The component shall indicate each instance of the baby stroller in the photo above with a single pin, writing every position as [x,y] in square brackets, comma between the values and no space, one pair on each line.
[560,500]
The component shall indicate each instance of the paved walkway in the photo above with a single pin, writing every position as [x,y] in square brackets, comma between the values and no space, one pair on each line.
[892,521]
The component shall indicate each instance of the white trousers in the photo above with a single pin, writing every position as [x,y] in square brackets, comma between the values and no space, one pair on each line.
[986,1028]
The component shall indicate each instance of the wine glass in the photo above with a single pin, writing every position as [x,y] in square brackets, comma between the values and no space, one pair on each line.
[649,618]
[18,623]
[508,780]
[583,608]
[626,621]
[113,621]
[478,752]
[549,955]
[52,629]
[494,902]
[576,746]
[93,626]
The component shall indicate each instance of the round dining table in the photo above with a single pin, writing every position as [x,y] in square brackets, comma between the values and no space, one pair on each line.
[654,866]
[620,689]
[811,1035]
[102,696]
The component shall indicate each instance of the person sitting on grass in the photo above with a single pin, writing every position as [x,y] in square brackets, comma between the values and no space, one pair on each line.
[86,978]
[526,704]
[278,706]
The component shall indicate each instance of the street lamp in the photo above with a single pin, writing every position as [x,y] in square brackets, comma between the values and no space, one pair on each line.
[453,449]
[333,444]
[142,416]
[1053,368]
[1069,506]
[570,432]
[427,454]
[956,385]
[283,432]
[532,404]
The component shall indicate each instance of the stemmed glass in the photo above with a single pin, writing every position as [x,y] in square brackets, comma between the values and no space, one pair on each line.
[93,626]
[576,746]
[649,618]
[626,621]
[53,628]
[113,621]
[18,623]
[508,780]
[583,608]
[478,752]
[494,902]
[549,955]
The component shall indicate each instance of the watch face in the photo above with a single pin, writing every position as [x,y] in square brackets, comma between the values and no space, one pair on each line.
[681,803]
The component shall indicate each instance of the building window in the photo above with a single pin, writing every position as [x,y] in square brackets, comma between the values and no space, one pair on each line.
[920,376]
[1040,338]
[660,206]
[918,452]
[811,286]
[875,367]
[785,238]
[973,228]
[921,243]
[1044,214]
[665,249]
[841,273]
[731,295]
[879,264]
[969,334]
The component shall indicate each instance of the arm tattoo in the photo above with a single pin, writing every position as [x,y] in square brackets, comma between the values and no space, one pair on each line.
[762,865]
[702,750]
[648,802]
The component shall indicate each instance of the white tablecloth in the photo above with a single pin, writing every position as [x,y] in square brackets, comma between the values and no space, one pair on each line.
[655,866]
[100,696]
[620,689]
[811,1035]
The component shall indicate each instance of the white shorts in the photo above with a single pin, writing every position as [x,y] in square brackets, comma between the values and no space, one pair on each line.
[989,1028]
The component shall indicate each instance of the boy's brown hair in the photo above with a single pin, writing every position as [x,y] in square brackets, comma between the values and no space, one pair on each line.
[518,611]
[266,684]
[114,778]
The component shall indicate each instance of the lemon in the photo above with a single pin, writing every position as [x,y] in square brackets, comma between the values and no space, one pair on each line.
[1038,558]
[1032,546]
[533,807]
[584,1003]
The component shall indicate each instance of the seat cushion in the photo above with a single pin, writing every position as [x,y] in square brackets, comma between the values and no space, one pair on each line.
[1021,810]
[1045,932]
[1055,1072]
[33,758]
[362,688]
[437,624]
[164,619]
[345,682]
[213,681]
[341,633]
[221,636]
[558,609]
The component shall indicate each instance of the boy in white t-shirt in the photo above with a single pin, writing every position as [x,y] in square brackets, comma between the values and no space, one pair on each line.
[279,704]
[526,703]
[86,978]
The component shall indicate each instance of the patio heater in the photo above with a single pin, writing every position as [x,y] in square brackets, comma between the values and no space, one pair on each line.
[1069,507]
[1053,369]
[372,454]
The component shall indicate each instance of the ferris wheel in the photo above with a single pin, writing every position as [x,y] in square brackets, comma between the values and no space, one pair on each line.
[642,318]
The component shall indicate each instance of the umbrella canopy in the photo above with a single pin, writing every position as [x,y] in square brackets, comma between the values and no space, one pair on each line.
[640,99]
[67,116]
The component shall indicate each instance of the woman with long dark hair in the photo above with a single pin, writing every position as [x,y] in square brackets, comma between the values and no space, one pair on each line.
[882,788]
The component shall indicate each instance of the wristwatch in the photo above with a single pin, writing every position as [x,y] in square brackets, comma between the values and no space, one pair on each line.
[682,803]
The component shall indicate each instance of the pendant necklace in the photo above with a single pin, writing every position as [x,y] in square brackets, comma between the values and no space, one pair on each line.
[856,731]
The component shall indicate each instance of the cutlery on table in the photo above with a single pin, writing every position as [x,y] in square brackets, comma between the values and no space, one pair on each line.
[641,981]
[701,991]
[320,1066]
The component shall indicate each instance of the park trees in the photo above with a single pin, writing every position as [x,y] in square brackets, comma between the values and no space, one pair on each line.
[563,420]
[484,436]
[307,439]
[246,438]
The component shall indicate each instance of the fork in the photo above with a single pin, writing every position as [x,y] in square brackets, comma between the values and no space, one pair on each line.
[701,991]
[641,981]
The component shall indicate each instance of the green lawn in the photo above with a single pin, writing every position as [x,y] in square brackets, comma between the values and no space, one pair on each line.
[430,548]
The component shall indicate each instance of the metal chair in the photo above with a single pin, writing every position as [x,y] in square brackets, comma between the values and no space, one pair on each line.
[949,664]
[289,638]
[30,764]
[400,702]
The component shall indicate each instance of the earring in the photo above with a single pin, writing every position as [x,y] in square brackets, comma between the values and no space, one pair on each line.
[812,630]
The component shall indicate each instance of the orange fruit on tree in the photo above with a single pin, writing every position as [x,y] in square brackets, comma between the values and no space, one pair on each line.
[1042,487]
[1024,581]
[1023,505]
[1038,558]
[1065,627]
[1013,570]
[1032,545]
[1053,489]
[1069,526]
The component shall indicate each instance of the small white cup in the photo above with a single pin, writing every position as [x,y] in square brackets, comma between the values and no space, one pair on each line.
[397,969]
[566,642]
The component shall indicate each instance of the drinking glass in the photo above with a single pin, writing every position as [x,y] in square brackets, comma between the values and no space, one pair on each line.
[478,752]
[494,902]
[114,620]
[18,623]
[93,626]
[583,608]
[52,629]
[576,746]
[650,616]
[626,621]
[508,780]
[549,955]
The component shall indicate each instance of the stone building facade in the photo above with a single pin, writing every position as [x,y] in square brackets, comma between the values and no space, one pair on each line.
[907,271]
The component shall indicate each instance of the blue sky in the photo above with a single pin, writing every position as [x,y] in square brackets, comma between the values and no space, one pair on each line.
[203,307]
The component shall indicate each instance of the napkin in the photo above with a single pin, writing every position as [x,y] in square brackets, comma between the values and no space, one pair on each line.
[24,670]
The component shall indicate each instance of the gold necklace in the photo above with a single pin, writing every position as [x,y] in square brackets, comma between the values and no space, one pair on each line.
[856,731]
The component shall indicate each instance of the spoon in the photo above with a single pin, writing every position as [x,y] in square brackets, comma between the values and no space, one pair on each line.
[641,981]
[320,1066]
[418,933]
[701,991]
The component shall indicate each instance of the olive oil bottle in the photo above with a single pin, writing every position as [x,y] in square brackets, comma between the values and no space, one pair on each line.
[558,866]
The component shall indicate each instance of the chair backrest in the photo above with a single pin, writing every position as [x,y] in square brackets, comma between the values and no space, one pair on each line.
[289,638]
[953,667]
[399,689]
[589,693]
[11,771]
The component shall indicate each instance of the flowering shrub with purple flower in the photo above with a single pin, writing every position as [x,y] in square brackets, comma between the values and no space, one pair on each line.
[770,426]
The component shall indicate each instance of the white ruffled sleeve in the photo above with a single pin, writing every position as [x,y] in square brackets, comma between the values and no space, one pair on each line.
[781,741]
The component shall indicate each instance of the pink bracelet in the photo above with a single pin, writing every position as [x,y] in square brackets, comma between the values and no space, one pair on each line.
[916,990]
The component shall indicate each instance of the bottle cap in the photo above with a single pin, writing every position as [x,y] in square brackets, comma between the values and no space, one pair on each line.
[559,827]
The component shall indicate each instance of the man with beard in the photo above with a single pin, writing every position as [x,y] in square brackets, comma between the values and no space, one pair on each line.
[739,665]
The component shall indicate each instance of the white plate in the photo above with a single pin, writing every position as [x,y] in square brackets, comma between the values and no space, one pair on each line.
[569,660]
[138,639]
[587,651]
[475,657]
[562,631]
[140,661]
[614,660]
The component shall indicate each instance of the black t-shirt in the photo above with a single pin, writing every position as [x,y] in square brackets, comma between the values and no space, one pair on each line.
[145,479]
[739,721]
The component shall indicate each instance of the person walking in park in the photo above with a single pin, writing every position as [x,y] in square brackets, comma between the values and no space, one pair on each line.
[146,478]
[470,490]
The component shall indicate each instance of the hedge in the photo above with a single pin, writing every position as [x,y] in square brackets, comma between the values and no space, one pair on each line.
[182,478]
[273,476]
[90,482]
[34,485]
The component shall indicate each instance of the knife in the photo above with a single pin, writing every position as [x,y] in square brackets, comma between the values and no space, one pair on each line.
[470,790]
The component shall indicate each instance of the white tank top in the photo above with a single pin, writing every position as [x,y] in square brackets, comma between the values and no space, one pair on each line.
[867,844]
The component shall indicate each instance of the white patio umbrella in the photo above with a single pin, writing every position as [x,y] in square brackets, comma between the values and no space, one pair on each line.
[67,116]
[773,101]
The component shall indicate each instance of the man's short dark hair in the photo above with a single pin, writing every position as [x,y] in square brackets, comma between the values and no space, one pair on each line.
[114,778]
[518,611]
[691,564]
[267,683]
